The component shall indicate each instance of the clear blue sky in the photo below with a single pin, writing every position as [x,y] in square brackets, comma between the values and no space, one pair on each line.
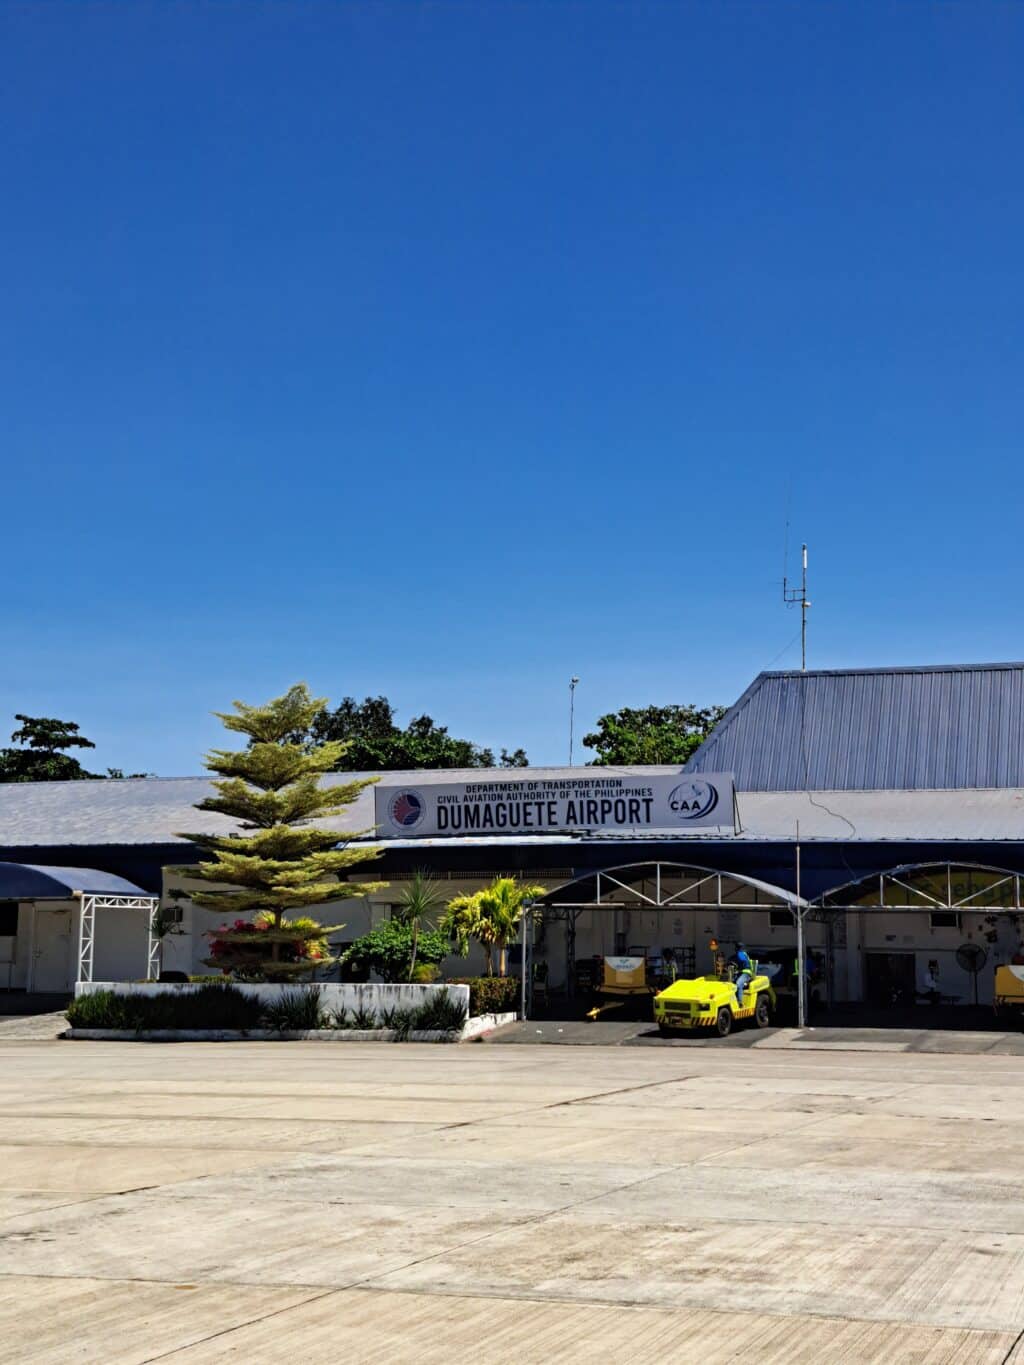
[446,350]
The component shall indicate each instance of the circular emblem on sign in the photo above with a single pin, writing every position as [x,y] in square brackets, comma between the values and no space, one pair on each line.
[691,800]
[406,809]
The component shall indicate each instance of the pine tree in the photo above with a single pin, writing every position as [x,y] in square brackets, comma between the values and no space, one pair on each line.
[280,863]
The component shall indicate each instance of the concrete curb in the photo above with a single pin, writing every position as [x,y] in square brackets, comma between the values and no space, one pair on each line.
[472,1029]
[256,1035]
[485,1023]
[324,1035]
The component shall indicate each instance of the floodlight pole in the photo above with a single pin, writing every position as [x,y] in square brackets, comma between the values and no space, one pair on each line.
[523,964]
[801,975]
[572,713]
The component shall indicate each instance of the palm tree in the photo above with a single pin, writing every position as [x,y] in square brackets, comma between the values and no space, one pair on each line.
[418,903]
[491,916]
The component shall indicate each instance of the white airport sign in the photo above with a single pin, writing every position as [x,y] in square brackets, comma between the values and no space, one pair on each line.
[593,799]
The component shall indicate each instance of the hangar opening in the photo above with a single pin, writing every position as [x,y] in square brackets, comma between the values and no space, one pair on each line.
[933,932]
[672,917]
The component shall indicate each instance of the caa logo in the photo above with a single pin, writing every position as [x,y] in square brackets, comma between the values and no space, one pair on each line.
[406,809]
[692,800]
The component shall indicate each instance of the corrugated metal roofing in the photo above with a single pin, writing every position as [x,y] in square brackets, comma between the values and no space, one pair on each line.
[882,729]
[149,811]
[154,810]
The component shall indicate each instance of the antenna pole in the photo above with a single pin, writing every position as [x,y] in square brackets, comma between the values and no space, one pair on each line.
[804,604]
[572,713]
[792,596]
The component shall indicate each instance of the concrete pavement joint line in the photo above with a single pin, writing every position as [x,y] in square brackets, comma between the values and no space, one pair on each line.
[1007,1359]
[52,1208]
[768,1137]
[173,1280]
[532,1296]
[563,1104]
[539,1217]
[226,1331]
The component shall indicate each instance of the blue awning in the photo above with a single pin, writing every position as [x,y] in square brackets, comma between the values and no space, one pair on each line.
[26,882]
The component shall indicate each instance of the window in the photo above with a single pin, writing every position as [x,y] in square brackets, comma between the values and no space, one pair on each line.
[780,919]
[944,919]
[8,919]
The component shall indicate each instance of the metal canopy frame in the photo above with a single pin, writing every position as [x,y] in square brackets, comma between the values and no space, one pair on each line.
[829,902]
[608,880]
[87,929]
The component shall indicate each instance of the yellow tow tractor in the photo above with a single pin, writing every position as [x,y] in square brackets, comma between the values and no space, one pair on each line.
[1009,992]
[712,1002]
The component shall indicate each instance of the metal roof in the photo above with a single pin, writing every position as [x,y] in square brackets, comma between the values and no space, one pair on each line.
[27,882]
[149,812]
[881,729]
[155,810]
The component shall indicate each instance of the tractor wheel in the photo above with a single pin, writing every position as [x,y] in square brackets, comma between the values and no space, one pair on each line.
[762,1012]
[723,1022]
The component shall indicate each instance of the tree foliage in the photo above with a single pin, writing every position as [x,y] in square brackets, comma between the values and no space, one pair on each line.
[651,734]
[375,743]
[388,950]
[419,903]
[41,754]
[280,863]
[490,916]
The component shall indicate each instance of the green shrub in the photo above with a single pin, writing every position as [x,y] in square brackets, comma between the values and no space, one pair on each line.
[340,1018]
[387,950]
[296,1012]
[102,1010]
[424,973]
[440,1013]
[491,994]
[398,1019]
[210,1007]
[364,1019]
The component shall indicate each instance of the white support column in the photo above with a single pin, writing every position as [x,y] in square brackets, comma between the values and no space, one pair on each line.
[86,936]
[153,948]
[30,964]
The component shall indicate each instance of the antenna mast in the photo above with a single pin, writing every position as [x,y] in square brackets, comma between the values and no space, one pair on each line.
[791,596]
[572,712]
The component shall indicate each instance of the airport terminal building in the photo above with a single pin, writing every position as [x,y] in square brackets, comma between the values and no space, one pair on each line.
[885,806]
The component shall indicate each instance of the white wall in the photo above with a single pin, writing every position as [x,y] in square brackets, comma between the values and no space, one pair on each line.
[186,951]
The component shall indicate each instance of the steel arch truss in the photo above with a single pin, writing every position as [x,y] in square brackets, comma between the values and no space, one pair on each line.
[702,890]
[944,886]
[87,930]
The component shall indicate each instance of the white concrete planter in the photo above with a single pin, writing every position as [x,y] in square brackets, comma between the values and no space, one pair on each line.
[485,1023]
[371,996]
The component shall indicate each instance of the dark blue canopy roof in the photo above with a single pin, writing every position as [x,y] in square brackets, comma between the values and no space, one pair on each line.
[25,882]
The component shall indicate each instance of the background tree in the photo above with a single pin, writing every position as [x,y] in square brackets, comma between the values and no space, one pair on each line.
[652,734]
[374,743]
[491,916]
[41,755]
[387,950]
[280,862]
